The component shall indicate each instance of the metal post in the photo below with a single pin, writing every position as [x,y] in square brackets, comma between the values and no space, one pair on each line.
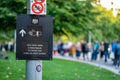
[89,37]
[15,41]
[33,70]
[33,67]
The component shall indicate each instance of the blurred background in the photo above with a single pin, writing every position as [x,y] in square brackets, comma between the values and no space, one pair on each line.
[73,19]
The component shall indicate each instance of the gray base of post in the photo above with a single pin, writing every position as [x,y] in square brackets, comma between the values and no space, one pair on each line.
[34,70]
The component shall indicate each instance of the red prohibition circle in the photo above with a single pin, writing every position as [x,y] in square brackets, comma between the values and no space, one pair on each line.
[39,1]
[35,6]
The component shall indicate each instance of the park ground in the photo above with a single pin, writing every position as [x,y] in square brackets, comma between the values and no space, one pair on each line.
[56,69]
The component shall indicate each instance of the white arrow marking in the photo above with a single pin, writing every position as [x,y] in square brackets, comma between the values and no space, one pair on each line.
[22,32]
[37,33]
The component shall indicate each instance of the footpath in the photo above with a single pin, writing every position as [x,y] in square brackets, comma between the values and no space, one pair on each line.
[99,63]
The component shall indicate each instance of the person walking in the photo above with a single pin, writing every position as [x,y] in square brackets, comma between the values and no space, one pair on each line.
[60,48]
[106,46]
[78,50]
[118,54]
[114,51]
[95,51]
[55,48]
[84,49]
[72,50]
[101,50]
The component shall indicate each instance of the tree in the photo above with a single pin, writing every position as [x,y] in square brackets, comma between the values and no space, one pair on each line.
[9,10]
[104,23]
[71,17]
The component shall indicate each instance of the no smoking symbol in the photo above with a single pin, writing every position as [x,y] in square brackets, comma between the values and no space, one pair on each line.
[37,8]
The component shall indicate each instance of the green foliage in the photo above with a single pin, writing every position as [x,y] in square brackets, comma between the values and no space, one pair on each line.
[6,36]
[104,27]
[71,18]
[9,10]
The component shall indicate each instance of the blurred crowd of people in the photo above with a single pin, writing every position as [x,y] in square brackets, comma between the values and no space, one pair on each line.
[8,46]
[87,51]
[90,51]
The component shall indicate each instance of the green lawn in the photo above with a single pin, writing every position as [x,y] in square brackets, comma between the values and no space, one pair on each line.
[56,69]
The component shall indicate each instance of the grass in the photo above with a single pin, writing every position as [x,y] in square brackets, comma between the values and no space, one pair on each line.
[57,69]
[12,69]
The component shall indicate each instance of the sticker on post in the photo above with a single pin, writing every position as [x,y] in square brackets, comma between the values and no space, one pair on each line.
[38,68]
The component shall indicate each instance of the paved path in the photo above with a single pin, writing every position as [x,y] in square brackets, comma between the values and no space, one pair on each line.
[99,63]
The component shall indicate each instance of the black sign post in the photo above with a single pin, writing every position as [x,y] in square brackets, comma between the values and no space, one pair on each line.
[34,37]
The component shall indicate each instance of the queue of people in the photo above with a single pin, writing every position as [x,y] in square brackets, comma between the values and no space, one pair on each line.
[8,46]
[90,51]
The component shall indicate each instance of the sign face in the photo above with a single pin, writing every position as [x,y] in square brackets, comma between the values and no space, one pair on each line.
[34,37]
[38,7]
